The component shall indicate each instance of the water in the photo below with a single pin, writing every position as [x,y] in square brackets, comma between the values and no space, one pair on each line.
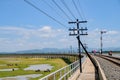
[11,69]
[114,54]
[41,67]
[27,77]
[22,77]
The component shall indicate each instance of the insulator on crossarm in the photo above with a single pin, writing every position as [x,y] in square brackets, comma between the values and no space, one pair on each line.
[69,28]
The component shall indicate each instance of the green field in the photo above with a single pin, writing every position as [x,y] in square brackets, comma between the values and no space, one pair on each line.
[22,63]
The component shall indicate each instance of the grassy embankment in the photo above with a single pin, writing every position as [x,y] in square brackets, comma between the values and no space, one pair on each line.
[25,62]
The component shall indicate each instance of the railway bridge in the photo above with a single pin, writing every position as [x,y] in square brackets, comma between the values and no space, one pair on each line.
[101,67]
[38,55]
[94,67]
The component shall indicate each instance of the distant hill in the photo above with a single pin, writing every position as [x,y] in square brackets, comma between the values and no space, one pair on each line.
[56,50]
[45,50]
[106,49]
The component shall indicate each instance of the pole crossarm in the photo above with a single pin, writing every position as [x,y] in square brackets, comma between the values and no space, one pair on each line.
[78,29]
[77,34]
[77,22]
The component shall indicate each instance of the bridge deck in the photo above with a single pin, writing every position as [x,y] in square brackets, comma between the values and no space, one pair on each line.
[88,72]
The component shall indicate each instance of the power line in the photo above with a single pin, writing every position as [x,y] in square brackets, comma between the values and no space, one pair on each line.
[53,9]
[81,9]
[77,9]
[44,12]
[68,8]
[61,10]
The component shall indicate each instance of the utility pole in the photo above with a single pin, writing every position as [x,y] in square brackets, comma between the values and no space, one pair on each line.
[101,43]
[78,36]
[71,50]
[85,45]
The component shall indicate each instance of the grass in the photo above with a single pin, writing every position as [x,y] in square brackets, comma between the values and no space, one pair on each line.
[25,62]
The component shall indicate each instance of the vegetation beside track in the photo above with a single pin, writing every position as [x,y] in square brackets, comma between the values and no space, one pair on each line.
[24,62]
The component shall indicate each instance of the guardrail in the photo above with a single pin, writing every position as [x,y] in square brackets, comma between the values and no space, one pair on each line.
[63,73]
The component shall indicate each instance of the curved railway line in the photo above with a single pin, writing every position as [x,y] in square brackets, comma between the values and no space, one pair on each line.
[115,60]
[110,66]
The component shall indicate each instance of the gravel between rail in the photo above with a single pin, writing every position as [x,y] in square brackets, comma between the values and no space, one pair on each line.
[112,71]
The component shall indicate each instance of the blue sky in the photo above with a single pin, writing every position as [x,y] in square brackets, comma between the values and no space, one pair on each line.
[22,27]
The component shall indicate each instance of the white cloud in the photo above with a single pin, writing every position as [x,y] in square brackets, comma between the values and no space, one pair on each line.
[19,38]
[44,32]
[25,38]
[45,29]
[112,32]
[110,38]
[64,40]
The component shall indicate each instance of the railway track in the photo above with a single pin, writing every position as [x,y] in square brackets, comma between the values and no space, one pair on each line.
[110,66]
[115,60]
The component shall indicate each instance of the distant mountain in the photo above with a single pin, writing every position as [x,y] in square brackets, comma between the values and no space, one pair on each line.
[56,50]
[29,51]
[45,50]
[112,49]
[106,49]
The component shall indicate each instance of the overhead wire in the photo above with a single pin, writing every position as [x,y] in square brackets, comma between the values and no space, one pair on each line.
[77,9]
[54,9]
[44,13]
[84,17]
[61,10]
[63,2]
[81,9]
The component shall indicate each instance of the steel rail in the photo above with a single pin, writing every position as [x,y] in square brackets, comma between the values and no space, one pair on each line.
[114,60]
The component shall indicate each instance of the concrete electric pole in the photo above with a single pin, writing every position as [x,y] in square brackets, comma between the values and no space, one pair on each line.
[101,43]
[78,36]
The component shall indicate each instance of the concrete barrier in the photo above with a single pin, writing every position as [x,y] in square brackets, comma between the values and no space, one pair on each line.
[100,71]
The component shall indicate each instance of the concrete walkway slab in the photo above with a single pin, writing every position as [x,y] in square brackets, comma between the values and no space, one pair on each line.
[88,71]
